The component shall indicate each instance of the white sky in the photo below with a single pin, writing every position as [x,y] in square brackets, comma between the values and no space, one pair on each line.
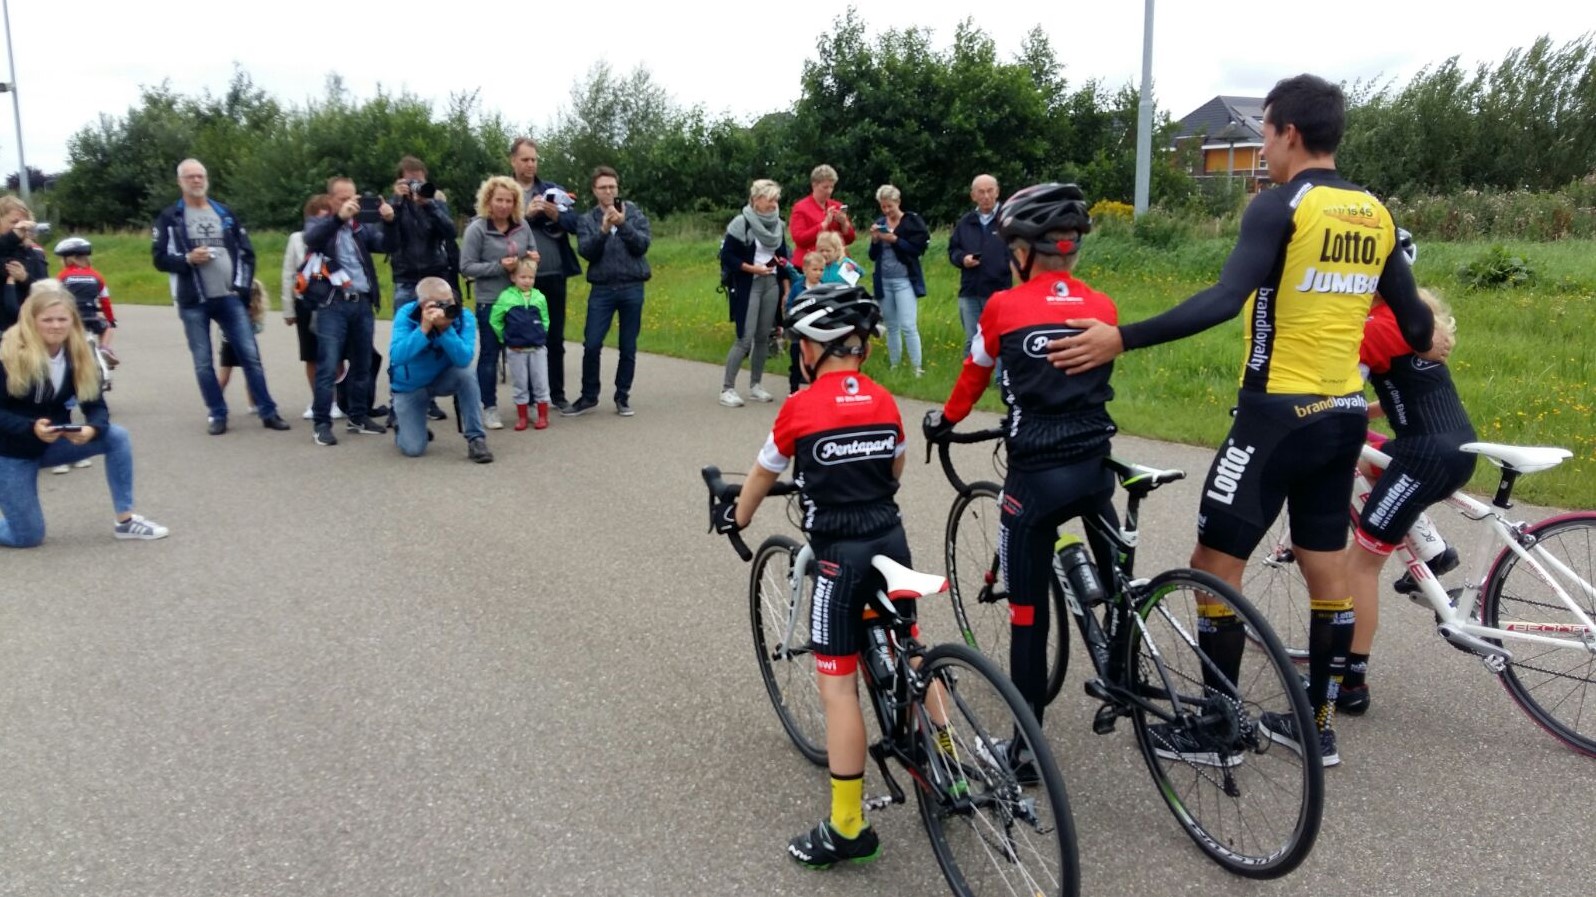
[92,56]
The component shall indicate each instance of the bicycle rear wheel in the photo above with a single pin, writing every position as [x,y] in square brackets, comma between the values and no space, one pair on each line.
[1556,686]
[976,590]
[1252,805]
[997,825]
[781,642]
[1273,583]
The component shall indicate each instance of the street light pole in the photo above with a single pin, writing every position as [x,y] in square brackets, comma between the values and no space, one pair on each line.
[1144,118]
[23,186]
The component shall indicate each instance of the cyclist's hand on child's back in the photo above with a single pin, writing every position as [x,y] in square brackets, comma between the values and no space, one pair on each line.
[723,518]
[936,426]
[1097,344]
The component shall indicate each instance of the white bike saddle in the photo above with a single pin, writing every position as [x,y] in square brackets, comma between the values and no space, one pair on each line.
[1522,458]
[905,583]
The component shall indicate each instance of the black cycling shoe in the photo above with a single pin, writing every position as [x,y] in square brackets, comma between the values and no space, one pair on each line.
[1353,700]
[822,847]
[1441,564]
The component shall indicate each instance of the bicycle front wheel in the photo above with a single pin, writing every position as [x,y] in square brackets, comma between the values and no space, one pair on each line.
[780,619]
[1273,583]
[977,592]
[1251,804]
[992,799]
[1555,685]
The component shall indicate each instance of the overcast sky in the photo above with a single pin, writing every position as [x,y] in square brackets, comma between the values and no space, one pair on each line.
[89,57]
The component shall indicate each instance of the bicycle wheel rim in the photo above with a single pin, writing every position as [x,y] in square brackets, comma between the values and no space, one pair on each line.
[789,675]
[1555,686]
[999,837]
[1260,816]
[1273,583]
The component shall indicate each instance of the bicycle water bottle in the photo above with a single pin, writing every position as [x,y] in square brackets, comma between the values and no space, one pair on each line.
[1080,574]
[879,657]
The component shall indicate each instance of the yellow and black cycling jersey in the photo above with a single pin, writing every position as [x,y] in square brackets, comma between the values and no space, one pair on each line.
[1309,259]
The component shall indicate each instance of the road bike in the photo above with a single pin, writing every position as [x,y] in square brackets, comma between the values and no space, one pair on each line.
[1252,805]
[1526,610]
[989,793]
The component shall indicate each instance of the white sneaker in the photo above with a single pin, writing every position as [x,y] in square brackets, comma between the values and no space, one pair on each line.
[86,462]
[337,413]
[490,419]
[61,468]
[758,394]
[731,399]
[137,527]
[309,414]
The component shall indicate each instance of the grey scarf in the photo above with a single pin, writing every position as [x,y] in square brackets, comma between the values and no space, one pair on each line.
[767,229]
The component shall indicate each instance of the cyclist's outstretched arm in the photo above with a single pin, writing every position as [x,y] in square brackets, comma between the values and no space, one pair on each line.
[1401,292]
[1265,226]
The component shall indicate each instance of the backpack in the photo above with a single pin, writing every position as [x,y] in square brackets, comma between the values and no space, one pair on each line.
[315,284]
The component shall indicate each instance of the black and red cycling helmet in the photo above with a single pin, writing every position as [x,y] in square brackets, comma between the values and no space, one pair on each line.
[1036,211]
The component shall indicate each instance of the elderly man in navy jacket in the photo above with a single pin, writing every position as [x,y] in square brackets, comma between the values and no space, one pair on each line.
[200,243]
[980,255]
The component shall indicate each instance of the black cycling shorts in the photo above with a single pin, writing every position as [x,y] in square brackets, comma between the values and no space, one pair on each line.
[844,583]
[1035,503]
[1423,470]
[1296,450]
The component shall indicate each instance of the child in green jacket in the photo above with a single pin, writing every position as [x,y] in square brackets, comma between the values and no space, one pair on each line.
[520,317]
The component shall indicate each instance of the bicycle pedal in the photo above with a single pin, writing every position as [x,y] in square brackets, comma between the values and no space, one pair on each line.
[878,802]
[1106,718]
[1096,689]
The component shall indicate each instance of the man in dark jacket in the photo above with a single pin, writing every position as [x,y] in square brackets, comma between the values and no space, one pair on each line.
[614,237]
[551,212]
[207,252]
[421,233]
[980,255]
[345,317]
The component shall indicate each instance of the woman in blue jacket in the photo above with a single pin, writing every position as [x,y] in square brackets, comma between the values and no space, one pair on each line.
[897,241]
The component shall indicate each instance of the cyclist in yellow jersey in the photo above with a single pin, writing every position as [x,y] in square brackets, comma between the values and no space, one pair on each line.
[1310,255]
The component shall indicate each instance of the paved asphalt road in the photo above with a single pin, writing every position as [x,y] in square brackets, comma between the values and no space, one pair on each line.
[348,673]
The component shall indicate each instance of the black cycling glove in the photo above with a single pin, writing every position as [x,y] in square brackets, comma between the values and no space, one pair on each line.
[936,426]
[723,518]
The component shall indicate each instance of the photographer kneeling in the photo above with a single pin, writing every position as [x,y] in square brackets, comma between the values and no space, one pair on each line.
[45,364]
[430,356]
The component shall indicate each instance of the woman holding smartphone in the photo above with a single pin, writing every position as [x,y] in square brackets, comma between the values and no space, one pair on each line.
[45,365]
[897,241]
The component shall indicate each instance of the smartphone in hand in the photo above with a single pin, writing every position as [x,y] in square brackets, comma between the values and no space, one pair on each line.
[66,428]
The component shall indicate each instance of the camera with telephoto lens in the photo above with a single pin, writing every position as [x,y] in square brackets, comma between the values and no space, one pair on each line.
[422,189]
[451,310]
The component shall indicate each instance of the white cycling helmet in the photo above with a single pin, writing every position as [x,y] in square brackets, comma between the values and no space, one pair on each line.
[74,246]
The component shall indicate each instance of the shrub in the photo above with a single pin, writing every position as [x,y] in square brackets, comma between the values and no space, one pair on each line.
[1106,209]
[1496,269]
[1162,230]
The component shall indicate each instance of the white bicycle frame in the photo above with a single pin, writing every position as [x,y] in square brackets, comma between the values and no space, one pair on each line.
[1499,532]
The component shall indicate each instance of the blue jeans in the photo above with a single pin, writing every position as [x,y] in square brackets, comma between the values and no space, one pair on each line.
[603,303]
[343,330]
[410,409]
[487,357]
[23,526]
[970,308]
[403,294]
[232,317]
[900,309]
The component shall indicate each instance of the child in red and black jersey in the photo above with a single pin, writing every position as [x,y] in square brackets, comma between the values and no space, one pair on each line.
[88,288]
[844,437]
[1058,425]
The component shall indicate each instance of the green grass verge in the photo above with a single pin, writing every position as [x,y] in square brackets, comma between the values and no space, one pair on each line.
[1525,362]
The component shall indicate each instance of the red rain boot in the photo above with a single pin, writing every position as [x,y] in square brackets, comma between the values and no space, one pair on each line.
[520,417]
[543,417]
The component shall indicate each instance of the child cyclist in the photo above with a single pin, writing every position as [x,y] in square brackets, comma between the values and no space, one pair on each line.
[1421,404]
[520,317]
[1058,425]
[849,516]
[89,289]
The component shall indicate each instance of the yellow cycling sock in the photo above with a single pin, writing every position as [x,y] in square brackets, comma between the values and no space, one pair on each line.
[847,805]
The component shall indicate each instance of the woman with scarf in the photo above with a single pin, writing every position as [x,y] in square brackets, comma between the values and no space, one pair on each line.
[45,364]
[755,250]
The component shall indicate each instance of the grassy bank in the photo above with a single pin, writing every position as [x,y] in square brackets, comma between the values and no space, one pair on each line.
[1525,363]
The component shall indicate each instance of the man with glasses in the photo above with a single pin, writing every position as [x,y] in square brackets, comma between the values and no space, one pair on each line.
[430,356]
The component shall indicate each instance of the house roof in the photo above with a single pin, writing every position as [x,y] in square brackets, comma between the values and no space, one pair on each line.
[1242,115]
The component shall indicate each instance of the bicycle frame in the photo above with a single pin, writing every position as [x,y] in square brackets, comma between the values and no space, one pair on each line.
[1501,537]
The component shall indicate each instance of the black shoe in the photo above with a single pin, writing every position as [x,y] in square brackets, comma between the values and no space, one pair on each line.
[822,847]
[1353,701]
[1184,746]
[580,407]
[1015,757]
[561,405]
[623,408]
[275,422]
[435,413]
[1282,729]
[218,426]
[324,435]
[1441,564]
[379,411]
[477,450]
[365,427]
